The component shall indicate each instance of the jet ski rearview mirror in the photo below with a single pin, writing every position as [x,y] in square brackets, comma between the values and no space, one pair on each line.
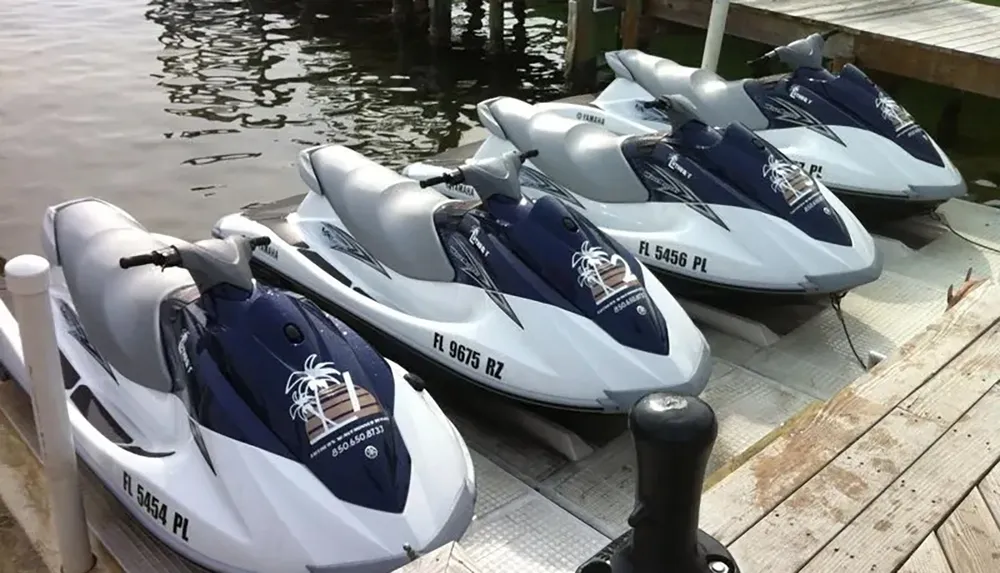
[489,177]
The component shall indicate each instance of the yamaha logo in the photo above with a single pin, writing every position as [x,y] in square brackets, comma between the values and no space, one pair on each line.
[591,118]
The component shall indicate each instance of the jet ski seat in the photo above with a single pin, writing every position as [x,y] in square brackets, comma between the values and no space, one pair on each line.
[389,215]
[718,101]
[118,309]
[583,157]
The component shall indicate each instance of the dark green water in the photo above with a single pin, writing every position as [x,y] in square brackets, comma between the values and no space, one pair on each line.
[183,110]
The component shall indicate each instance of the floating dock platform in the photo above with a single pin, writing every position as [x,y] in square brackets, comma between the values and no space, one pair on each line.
[813,452]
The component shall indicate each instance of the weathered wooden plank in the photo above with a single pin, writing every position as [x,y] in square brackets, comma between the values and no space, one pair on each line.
[866,12]
[802,524]
[945,397]
[902,25]
[891,527]
[798,528]
[928,558]
[753,490]
[631,23]
[932,35]
[970,538]
[449,558]
[973,45]
[951,69]
[952,38]
[989,487]
[904,29]
[889,10]
[825,12]
[581,49]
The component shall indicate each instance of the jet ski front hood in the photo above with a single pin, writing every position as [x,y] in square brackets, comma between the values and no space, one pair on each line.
[587,270]
[324,394]
[881,137]
[739,169]
[858,96]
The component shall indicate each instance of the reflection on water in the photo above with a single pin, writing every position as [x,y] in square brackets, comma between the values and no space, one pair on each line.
[345,76]
[218,61]
[183,110]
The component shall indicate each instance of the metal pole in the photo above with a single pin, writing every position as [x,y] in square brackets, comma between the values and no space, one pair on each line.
[28,281]
[714,36]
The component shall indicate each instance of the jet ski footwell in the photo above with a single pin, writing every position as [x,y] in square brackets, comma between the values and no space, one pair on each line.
[551,514]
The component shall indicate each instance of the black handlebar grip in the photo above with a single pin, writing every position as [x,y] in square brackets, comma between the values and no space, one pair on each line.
[528,155]
[136,260]
[259,242]
[432,181]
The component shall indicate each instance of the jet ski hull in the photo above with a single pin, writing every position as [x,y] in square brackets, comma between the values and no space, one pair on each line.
[274,220]
[874,208]
[139,435]
[431,324]
[871,173]
[735,297]
[196,521]
[703,250]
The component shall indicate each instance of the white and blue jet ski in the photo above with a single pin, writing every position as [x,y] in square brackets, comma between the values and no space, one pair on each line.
[842,128]
[710,211]
[527,299]
[238,423]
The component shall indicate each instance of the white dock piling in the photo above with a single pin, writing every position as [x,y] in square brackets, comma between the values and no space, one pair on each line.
[28,280]
[714,36]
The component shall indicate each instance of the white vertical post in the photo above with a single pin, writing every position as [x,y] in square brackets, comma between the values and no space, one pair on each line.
[714,36]
[28,281]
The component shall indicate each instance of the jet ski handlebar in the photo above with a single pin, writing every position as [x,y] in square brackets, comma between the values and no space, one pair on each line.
[458,175]
[804,52]
[171,256]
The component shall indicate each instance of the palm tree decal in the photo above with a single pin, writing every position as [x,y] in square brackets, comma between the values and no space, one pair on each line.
[604,274]
[787,179]
[309,386]
[892,111]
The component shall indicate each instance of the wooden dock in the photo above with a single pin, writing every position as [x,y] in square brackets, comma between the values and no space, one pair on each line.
[952,43]
[900,469]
